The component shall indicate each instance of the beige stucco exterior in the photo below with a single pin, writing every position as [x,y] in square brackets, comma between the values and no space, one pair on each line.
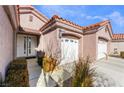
[34,24]
[30,18]
[6,41]
[89,45]
[50,42]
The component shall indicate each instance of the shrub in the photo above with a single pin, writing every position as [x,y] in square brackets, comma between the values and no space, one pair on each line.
[17,73]
[49,63]
[83,74]
[40,56]
[122,54]
[40,61]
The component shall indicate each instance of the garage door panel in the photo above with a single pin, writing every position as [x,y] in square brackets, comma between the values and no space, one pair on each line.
[69,49]
[102,49]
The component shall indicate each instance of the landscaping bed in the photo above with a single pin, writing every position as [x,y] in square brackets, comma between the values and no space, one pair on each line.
[17,74]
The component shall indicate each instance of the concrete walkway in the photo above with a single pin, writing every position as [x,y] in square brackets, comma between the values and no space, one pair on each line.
[111,71]
[34,71]
[57,77]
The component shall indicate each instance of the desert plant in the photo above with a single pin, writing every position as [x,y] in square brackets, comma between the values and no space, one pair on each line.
[17,73]
[51,59]
[49,63]
[83,74]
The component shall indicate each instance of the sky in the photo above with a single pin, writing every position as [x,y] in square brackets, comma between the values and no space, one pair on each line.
[84,15]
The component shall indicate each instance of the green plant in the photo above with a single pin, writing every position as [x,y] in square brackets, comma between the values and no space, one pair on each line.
[122,54]
[17,73]
[83,74]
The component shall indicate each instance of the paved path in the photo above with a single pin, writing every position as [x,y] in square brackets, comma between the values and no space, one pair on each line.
[58,76]
[34,71]
[111,71]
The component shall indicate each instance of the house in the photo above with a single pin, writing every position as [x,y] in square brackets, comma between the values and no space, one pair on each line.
[23,30]
[117,44]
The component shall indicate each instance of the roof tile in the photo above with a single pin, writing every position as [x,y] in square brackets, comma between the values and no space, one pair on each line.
[118,36]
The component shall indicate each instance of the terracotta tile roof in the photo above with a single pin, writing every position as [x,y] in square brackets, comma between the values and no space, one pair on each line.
[56,17]
[95,26]
[118,36]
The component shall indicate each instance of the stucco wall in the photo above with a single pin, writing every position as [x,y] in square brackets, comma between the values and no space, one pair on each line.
[106,35]
[118,45]
[6,41]
[15,26]
[36,23]
[89,46]
[49,42]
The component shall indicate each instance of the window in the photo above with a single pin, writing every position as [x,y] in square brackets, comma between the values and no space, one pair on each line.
[66,40]
[71,40]
[25,45]
[30,18]
[29,45]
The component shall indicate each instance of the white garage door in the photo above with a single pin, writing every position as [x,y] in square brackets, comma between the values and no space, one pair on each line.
[102,49]
[69,50]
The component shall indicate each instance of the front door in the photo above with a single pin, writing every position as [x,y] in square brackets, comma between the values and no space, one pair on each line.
[26,45]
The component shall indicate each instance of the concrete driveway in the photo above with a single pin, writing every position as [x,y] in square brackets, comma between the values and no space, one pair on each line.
[110,73]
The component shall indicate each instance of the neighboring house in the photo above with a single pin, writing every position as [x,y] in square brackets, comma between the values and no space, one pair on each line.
[117,44]
[23,30]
